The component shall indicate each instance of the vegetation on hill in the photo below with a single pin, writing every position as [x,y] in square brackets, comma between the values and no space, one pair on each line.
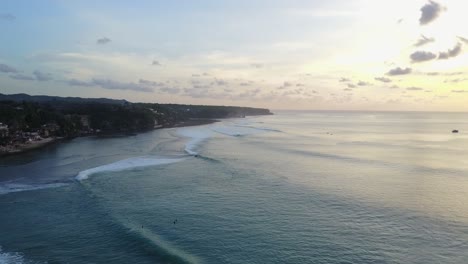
[69,117]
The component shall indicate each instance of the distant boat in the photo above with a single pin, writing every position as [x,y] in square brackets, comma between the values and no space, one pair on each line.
[454,131]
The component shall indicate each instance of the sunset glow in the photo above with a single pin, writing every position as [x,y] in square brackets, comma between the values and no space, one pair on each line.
[355,55]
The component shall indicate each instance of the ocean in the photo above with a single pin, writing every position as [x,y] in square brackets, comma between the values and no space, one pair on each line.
[295,187]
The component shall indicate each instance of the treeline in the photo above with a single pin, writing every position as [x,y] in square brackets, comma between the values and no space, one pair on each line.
[69,117]
[174,113]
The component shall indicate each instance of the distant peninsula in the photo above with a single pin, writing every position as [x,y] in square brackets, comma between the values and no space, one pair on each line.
[28,122]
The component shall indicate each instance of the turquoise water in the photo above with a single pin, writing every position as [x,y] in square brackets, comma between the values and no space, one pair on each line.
[296,187]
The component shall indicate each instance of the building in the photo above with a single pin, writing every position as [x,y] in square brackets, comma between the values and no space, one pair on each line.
[84,120]
[4,132]
[49,129]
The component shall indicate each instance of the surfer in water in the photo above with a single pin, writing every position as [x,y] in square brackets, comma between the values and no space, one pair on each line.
[175,221]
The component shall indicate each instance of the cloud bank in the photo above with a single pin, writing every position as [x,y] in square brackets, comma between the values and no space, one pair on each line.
[7,69]
[22,77]
[41,76]
[111,85]
[451,52]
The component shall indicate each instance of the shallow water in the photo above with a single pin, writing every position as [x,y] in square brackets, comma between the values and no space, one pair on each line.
[297,187]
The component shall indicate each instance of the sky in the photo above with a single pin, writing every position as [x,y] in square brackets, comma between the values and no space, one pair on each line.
[388,55]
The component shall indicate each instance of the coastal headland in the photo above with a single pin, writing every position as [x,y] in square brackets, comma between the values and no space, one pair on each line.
[30,122]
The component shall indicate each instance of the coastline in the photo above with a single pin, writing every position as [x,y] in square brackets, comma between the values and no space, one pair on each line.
[38,144]
[28,146]
[194,122]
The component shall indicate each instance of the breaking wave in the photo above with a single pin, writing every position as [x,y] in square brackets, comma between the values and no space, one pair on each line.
[261,128]
[13,258]
[126,164]
[18,187]
[197,135]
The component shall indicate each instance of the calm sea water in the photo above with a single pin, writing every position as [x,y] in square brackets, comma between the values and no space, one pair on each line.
[296,187]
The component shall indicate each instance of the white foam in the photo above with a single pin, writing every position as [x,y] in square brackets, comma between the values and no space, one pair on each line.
[126,164]
[197,135]
[12,258]
[235,131]
[18,187]
[261,128]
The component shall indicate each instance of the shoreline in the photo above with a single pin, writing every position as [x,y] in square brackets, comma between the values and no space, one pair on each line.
[39,144]
[29,146]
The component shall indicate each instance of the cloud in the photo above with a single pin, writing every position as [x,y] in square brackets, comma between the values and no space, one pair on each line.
[453,73]
[451,52]
[285,85]
[199,86]
[347,89]
[156,63]
[114,85]
[41,76]
[75,82]
[150,83]
[383,79]
[7,16]
[103,41]
[458,80]
[170,90]
[220,82]
[257,65]
[399,71]
[414,89]
[459,91]
[394,87]
[420,56]
[350,85]
[423,41]
[141,86]
[430,12]
[362,83]
[342,79]
[464,40]
[7,69]
[22,77]
[198,93]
